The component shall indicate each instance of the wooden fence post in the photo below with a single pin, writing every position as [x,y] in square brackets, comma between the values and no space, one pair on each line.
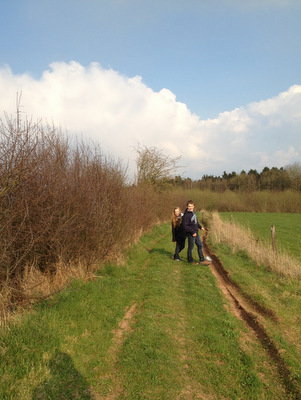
[273,233]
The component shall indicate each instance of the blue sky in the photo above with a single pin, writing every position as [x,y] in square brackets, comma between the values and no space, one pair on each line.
[215,81]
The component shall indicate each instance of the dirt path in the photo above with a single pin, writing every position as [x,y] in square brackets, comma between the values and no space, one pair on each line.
[162,308]
[253,315]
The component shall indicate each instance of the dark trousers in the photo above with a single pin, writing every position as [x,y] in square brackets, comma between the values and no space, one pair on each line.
[179,247]
[191,241]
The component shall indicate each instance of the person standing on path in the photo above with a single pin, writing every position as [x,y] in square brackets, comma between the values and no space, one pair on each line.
[191,227]
[178,234]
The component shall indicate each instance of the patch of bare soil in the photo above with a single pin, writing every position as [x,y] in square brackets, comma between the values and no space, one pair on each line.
[124,327]
[249,311]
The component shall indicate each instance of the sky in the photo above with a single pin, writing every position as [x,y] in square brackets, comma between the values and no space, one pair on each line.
[217,82]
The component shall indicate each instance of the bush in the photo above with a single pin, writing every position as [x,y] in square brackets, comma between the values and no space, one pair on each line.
[61,202]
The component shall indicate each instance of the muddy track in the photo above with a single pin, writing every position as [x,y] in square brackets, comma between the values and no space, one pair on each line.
[250,311]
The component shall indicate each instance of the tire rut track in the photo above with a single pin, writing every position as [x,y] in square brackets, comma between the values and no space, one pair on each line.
[249,310]
[124,327]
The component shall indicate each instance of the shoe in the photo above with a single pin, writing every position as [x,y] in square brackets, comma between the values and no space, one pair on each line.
[204,263]
[177,259]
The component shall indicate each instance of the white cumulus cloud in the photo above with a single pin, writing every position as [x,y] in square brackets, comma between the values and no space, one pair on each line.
[119,113]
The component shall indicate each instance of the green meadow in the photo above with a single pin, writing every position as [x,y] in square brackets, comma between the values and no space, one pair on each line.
[287,225]
[148,328]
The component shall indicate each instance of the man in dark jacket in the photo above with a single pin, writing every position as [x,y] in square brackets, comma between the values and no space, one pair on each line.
[191,227]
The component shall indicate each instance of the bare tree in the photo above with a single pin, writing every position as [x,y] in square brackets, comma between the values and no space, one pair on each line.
[154,167]
[294,172]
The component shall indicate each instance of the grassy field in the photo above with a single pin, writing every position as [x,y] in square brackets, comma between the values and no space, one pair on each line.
[150,328]
[288,228]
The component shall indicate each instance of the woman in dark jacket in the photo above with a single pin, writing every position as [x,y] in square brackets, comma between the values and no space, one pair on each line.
[178,234]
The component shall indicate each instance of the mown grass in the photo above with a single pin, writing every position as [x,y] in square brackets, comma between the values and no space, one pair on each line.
[181,342]
[288,228]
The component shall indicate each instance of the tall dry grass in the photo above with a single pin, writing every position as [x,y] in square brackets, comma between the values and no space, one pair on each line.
[238,238]
[257,201]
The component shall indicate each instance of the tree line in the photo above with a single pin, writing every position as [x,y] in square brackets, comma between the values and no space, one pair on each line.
[274,179]
[156,169]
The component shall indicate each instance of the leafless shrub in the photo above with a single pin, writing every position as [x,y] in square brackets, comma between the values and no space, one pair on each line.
[61,202]
[154,168]
[64,209]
